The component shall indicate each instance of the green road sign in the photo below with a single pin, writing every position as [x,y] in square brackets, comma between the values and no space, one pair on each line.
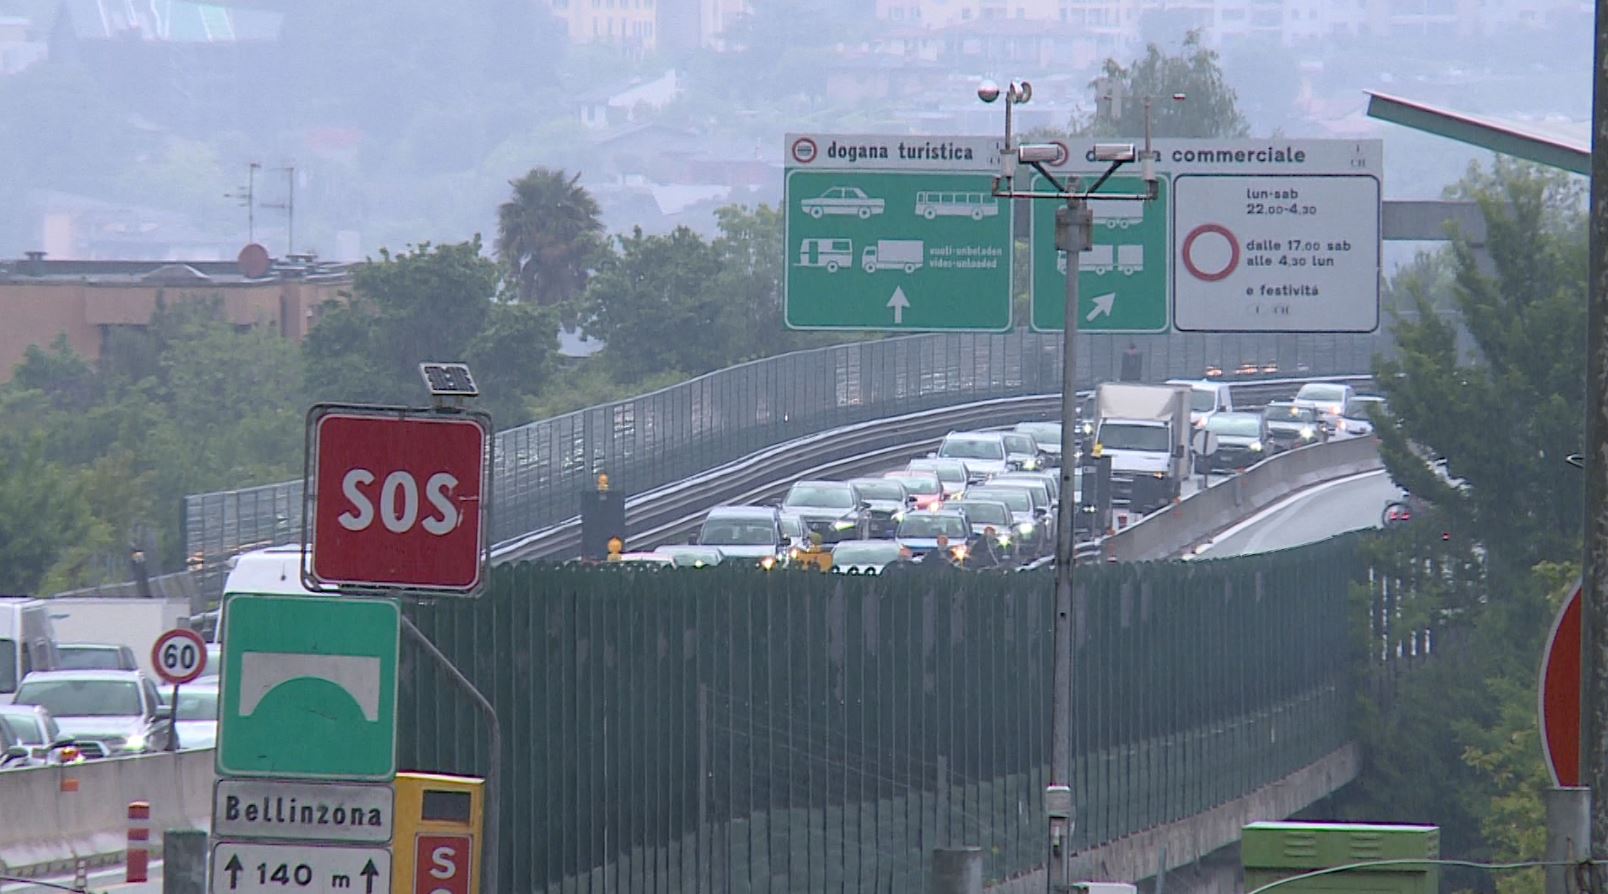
[1123,281]
[309,687]
[896,233]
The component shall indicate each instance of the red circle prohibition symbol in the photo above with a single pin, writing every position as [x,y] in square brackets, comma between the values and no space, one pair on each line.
[1233,252]
[805,150]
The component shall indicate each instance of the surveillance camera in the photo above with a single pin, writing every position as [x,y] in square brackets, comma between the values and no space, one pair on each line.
[1040,153]
[1180,97]
[1114,152]
[987,91]
[1021,91]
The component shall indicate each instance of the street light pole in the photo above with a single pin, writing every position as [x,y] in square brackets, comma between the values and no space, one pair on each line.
[1074,222]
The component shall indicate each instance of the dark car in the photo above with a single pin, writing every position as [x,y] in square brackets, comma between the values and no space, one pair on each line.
[832,509]
[886,502]
[1290,426]
[1241,440]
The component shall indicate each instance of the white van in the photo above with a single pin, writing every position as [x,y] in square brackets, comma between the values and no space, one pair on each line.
[1205,398]
[27,642]
[274,571]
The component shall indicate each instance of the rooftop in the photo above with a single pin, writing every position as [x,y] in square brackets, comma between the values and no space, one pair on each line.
[38,269]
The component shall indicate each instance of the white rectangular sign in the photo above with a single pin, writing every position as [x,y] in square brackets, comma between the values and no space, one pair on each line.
[248,868]
[1276,253]
[316,811]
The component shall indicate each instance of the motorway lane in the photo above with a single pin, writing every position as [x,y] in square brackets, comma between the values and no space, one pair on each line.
[1317,513]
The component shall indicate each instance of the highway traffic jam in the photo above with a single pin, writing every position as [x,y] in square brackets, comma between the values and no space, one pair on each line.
[989,499]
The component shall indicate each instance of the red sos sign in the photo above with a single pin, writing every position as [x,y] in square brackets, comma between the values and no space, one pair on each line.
[442,864]
[398,501]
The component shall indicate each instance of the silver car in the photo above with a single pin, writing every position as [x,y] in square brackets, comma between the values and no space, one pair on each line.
[118,709]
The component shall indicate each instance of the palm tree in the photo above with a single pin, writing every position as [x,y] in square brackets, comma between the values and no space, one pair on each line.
[547,234]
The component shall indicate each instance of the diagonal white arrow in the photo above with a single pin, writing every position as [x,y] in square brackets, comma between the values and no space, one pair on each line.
[898,302]
[1102,306]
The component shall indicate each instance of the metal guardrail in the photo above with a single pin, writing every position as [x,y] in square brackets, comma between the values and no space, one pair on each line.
[650,441]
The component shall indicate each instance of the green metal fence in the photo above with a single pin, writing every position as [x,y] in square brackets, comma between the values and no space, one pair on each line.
[730,730]
[655,439]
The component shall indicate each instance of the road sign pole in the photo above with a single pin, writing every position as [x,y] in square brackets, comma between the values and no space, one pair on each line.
[1594,595]
[1568,832]
[1073,222]
[493,828]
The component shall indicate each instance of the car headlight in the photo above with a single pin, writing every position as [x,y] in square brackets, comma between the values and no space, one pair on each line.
[135,742]
[1256,446]
[768,562]
[898,515]
[1306,432]
[1030,465]
[1025,528]
[1004,540]
[843,524]
[959,552]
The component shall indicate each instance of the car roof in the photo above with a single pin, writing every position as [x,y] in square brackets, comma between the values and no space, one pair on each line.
[820,482]
[743,511]
[127,676]
[944,510]
[866,544]
[113,646]
[910,473]
[35,710]
[963,502]
[974,435]
[1236,415]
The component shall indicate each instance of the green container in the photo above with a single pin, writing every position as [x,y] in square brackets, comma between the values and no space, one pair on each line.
[1274,851]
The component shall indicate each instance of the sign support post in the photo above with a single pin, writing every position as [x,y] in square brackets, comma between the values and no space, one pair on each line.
[1074,223]
[489,865]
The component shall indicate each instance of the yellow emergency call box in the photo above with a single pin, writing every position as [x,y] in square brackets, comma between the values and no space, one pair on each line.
[439,821]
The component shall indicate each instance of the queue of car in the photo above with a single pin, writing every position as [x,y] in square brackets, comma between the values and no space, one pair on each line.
[975,485]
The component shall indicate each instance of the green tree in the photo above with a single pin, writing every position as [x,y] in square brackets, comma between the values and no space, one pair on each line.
[513,358]
[1209,107]
[548,236]
[430,303]
[750,253]
[654,309]
[1504,418]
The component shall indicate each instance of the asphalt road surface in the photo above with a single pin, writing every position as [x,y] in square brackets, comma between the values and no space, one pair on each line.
[1317,513]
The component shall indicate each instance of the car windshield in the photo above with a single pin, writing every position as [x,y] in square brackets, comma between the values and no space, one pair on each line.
[880,489]
[865,553]
[921,482]
[946,471]
[1319,391]
[1285,414]
[933,525]
[1203,400]
[737,532]
[23,728]
[1121,436]
[1235,425]
[1019,443]
[89,658]
[197,704]
[824,496]
[972,448]
[1043,433]
[1018,500]
[82,698]
[987,513]
[8,665]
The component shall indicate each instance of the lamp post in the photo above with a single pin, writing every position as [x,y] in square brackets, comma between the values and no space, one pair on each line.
[1074,222]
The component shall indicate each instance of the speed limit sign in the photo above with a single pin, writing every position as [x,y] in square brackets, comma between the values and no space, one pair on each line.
[180,655]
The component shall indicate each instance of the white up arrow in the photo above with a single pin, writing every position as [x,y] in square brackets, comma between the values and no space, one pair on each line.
[898,302]
[1102,305]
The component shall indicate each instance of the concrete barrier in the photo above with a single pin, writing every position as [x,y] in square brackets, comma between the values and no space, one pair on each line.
[1172,530]
[52,817]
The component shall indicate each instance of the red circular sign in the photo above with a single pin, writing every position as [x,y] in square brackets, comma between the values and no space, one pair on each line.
[1559,700]
[805,150]
[179,656]
[398,502]
[1233,252]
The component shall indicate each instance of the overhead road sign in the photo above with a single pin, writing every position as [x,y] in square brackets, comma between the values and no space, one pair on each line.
[1122,279]
[255,868]
[398,500]
[1567,148]
[1245,236]
[898,233]
[309,687]
[312,811]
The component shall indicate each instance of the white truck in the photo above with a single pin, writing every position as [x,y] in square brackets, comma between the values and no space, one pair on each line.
[908,255]
[1145,430]
[118,620]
